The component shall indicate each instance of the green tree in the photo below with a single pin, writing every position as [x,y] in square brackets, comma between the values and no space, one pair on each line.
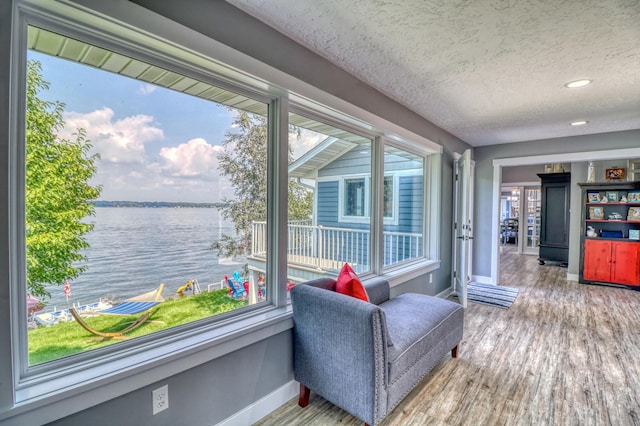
[244,162]
[58,192]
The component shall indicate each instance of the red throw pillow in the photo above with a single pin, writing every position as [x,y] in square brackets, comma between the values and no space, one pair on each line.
[348,283]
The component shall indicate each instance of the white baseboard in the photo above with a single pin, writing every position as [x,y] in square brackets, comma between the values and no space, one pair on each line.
[482,279]
[264,406]
[445,293]
[573,277]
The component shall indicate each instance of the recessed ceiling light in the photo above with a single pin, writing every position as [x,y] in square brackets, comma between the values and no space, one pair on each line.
[579,123]
[578,83]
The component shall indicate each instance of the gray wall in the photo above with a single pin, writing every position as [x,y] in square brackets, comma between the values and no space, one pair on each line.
[522,174]
[484,157]
[209,393]
[204,395]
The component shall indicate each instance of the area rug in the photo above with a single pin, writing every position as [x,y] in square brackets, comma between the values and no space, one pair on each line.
[493,295]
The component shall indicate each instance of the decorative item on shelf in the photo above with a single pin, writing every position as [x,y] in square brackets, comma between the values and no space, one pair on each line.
[591,232]
[558,168]
[596,213]
[611,234]
[548,168]
[624,199]
[594,197]
[591,172]
[633,213]
[615,216]
[634,234]
[633,196]
[617,173]
[612,196]
[604,199]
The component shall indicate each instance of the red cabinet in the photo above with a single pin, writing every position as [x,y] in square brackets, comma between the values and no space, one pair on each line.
[615,262]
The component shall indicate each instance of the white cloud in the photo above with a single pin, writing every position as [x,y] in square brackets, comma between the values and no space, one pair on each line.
[146,89]
[119,141]
[185,172]
[196,158]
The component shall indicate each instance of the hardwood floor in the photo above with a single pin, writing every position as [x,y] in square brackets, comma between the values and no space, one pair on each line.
[563,354]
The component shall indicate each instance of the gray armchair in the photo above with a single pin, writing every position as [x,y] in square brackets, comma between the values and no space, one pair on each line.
[366,357]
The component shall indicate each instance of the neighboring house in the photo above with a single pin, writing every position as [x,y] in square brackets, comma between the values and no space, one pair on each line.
[342,200]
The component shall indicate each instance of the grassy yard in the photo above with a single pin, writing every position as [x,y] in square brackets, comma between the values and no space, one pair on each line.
[68,338]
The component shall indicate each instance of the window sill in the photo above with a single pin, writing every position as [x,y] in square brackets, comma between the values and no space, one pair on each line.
[74,389]
[402,273]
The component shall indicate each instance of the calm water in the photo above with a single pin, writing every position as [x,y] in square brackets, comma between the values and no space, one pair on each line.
[133,250]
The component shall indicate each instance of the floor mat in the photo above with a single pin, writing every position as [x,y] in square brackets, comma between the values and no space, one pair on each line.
[493,295]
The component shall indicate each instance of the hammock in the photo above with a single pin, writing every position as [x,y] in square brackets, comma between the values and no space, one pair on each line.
[145,303]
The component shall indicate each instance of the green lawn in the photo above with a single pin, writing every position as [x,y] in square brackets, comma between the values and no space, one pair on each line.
[68,338]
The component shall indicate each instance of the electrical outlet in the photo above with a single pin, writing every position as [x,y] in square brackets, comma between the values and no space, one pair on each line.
[160,399]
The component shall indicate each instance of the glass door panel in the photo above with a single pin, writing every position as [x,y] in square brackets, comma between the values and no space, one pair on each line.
[532,222]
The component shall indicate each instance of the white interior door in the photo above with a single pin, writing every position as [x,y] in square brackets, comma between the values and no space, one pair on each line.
[463,226]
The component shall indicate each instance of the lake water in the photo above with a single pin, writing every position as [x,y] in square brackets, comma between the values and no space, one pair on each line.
[133,250]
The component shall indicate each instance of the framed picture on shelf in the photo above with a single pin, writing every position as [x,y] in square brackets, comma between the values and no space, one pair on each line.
[594,197]
[617,173]
[596,212]
[633,213]
[612,196]
[634,234]
[633,196]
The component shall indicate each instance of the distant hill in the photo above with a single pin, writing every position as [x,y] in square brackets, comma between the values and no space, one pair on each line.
[155,204]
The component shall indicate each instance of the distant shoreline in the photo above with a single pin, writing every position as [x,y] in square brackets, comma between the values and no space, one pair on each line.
[156,204]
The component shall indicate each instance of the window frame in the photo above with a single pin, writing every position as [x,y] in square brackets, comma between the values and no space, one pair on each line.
[40,380]
[366,217]
[70,385]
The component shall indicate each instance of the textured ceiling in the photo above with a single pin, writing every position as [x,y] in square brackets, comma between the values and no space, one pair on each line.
[488,71]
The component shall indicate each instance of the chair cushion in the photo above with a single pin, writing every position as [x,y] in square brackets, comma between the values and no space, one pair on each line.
[418,323]
[349,284]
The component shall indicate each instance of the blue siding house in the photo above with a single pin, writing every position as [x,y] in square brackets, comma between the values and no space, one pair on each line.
[340,172]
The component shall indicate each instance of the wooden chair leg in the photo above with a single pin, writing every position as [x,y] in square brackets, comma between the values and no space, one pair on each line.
[454,352]
[303,401]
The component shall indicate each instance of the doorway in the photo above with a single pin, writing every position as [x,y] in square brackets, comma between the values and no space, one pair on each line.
[520,218]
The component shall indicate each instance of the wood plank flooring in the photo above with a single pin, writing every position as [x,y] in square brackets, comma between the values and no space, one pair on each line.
[563,354]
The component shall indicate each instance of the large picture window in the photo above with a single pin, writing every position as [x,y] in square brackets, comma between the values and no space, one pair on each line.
[141,185]
[139,172]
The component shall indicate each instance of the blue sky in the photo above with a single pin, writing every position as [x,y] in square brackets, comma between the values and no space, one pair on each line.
[155,144]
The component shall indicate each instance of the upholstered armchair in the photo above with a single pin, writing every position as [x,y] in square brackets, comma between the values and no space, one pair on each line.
[366,356]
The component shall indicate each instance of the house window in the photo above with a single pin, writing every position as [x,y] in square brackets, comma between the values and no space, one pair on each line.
[141,184]
[354,197]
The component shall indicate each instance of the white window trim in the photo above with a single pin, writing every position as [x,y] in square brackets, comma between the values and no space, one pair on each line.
[41,397]
[367,199]
[96,376]
[342,218]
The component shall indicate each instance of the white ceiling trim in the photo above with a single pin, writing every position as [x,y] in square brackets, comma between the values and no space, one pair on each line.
[572,157]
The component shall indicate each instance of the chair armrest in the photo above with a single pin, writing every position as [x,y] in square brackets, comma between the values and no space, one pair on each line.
[340,349]
[378,290]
